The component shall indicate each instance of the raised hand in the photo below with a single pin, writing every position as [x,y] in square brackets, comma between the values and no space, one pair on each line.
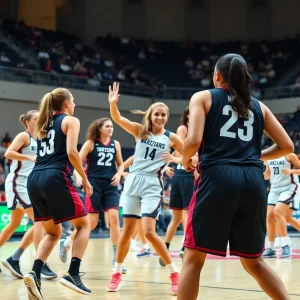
[114,96]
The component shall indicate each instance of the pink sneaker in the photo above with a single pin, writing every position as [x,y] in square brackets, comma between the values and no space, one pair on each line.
[114,282]
[174,280]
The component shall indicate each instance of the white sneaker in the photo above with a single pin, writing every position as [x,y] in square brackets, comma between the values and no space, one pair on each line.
[134,247]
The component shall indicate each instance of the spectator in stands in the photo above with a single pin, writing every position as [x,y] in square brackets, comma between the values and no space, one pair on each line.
[2,179]
[80,69]
[189,63]
[97,58]
[3,57]
[64,67]
[297,114]
[121,75]
[93,81]
[43,55]
[3,149]
[48,66]
[142,55]
[256,92]
[297,83]
[206,82]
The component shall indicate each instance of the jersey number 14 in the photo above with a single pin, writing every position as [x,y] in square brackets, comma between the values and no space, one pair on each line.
[151,154]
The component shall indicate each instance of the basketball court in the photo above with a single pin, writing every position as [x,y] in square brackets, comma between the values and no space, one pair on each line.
[223,278]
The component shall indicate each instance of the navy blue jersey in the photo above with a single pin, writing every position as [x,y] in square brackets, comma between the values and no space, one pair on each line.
[228,139]
[102,160]
[52,150]
[179,169]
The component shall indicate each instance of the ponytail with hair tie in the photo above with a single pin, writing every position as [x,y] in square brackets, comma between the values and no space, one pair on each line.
[234,69]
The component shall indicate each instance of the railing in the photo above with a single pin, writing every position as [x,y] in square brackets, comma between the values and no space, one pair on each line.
[70,81]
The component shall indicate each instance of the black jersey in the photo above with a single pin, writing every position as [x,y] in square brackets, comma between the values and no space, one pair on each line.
[229,139]
[102,160]
[52,150]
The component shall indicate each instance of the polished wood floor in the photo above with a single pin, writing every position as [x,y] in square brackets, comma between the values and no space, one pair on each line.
[146,279]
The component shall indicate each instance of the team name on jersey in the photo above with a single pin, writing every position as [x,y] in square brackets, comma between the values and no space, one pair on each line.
[276,163]
[103,149]
[153,143]
[51,123]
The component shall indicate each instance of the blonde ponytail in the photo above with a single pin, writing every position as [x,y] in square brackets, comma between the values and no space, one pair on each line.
[46,115]
[27,117]
[50,103]
[22,120]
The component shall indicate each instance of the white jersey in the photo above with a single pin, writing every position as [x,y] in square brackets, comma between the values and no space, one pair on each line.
[148,154]
[24,167]
[277,179]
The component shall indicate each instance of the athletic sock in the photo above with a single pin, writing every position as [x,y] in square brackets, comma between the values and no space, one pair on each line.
[16,256]
[68,242]
[146,246]
[172,268]
[115,251]
[37,267]
[74,266]
[118,268]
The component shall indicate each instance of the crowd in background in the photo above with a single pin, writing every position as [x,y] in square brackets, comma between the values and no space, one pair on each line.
[150,63]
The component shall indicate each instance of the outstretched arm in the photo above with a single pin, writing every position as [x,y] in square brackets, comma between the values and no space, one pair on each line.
[19,142]
[113,98]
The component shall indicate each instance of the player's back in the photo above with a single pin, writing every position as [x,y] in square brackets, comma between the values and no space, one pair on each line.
[229,139]
[52,150]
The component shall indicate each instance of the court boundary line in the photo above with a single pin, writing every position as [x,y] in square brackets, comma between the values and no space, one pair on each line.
[201,286]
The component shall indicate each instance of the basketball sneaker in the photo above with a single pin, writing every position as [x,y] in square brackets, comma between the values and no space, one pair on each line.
[144,252]
[63,254]
[134,247]
[286,251]
[13,266]
[74,283]
[269,253]
[47,273]
[181,253]
[124,269]
[161,262]
[113,285]
[174,277]
[33,285]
